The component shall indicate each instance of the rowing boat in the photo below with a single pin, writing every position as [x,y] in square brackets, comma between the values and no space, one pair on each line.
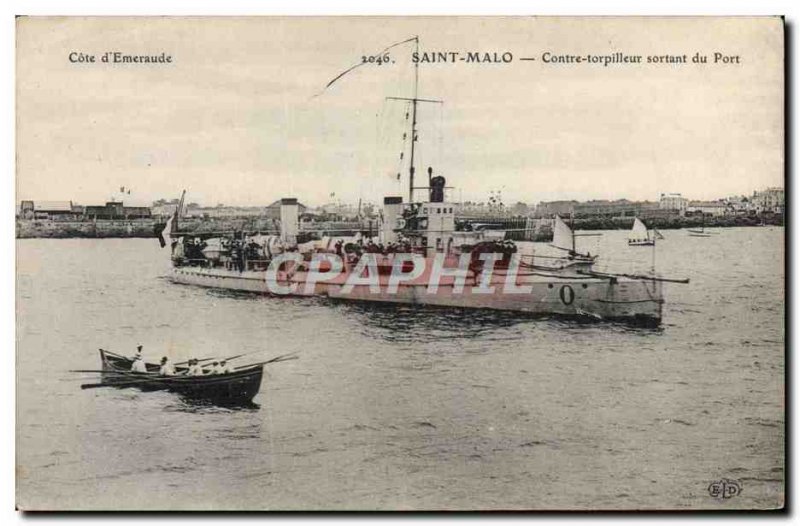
[236,388]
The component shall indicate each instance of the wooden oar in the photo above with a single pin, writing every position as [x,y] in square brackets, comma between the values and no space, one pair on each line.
[199,360]
[102,371]
[124,384]
[219,359]
[632,276]
[283,358]
[227,359]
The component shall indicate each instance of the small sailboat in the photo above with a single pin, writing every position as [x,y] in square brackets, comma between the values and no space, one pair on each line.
[640,236]
[702,231]
[564,239]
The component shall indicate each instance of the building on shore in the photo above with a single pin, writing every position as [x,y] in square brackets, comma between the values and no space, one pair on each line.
[345,212]
[708,208]
[673,202]
[222,212]
[46,210]
[603,209]
[739,205]
[114,210]
[52,210]
[273,210]
[770,200]
[552,208]
[68,211]
[618,208]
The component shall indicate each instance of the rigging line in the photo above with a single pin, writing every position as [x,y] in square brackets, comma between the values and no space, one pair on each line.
[377,136]
[383,137]
[389,116]
[401,161]
[386,154]
[351,68]
[387,135]
[440,160]
[420,151]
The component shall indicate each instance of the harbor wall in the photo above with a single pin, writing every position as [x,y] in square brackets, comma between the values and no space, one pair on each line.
[148,228]
[45,228]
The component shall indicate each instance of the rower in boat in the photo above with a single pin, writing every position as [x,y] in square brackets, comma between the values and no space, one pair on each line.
[214,369]
[194,368]
[138,365]
[167,369]
[225,367]
[227,390]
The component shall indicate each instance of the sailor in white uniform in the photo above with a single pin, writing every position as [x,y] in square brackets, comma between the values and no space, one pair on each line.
[194,369]
[138,365]
[225,367]
[214,369]
[167,369]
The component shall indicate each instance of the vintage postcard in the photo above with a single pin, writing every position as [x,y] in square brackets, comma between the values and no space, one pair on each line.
[410,263]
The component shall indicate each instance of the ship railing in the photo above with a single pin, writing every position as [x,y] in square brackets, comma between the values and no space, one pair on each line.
[197,262]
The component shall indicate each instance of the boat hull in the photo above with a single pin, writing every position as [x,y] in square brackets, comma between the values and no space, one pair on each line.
[245,281]
[632,300]
[237,388]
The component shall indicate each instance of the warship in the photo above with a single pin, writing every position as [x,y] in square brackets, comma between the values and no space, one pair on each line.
[420,255]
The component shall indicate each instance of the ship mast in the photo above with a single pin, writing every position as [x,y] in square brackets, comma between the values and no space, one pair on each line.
[413,123]
[572,230]
[414,100]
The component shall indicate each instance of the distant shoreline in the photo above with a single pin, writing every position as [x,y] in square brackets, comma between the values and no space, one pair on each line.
[674,223]
[149,228]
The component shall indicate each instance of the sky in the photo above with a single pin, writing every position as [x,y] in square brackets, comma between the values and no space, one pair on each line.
[241,116]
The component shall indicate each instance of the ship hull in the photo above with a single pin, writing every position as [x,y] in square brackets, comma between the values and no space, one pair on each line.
[646,243]
[602,299]
[247,281]
[622,299]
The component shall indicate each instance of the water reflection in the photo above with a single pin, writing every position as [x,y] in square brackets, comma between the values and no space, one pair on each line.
[397,323]
[189,405]
[392,322]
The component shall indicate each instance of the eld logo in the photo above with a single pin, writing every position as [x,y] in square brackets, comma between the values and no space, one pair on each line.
[724,489]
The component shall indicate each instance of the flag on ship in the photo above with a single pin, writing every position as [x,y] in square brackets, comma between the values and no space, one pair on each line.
[172,222]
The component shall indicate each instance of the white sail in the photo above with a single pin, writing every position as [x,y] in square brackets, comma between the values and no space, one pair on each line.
[167,232]
[562,235]
[638,232]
